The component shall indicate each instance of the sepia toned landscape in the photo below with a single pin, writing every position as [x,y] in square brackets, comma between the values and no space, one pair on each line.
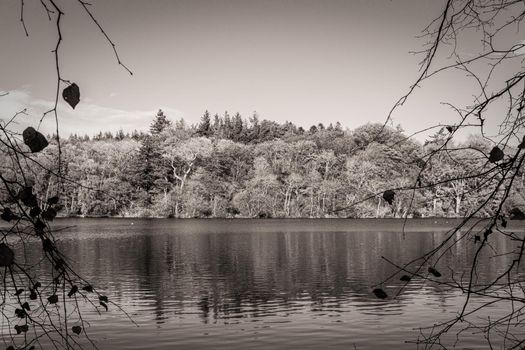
[290,174]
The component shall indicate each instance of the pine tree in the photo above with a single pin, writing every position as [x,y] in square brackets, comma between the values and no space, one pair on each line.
[253,132]
[204,128]
[180,124]
[149,173]
[227,126]
[237,128]
[160,123]
[120,135]
[217,125]
[135,135]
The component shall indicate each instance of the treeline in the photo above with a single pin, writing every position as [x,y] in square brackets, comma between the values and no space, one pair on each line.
[234,128]
[227,166]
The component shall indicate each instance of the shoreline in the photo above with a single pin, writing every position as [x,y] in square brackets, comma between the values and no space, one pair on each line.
[264,218]
[309,225]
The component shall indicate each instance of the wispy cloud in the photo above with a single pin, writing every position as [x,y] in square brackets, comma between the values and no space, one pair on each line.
[88,118]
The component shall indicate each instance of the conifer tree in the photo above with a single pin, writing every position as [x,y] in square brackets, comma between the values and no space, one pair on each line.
[204,128]
[160,123]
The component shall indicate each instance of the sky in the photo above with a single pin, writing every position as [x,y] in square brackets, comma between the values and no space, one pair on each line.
[305,61]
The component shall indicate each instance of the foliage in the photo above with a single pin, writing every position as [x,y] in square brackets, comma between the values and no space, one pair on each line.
[234,167]
[177,172]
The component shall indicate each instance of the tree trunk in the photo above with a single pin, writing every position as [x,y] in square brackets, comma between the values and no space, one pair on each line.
[312,203]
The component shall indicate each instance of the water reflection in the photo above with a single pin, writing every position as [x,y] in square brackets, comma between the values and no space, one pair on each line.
[191,276]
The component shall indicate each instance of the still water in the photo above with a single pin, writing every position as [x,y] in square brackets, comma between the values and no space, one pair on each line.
[263,284]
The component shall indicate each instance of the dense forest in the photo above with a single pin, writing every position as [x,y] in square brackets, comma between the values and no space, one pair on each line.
[227,166]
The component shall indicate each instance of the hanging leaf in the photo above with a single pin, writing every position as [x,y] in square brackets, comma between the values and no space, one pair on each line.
[76,329]
[39,226]
[104,305]
[379,293]
[450,128]
[388,196]
[35,211]
[20,313]
[496,155]
[26,306]
[52,200]
[517,214]
[53,299]
[103,298]
[7,215]
[21,329]
[19,291]
[34,139]
[503,222]
[405,278]
[522,144]
[71,95]
[49,214]
[72,292]
[7,256]
[88,289]
[434,272]
[27,197]
[32,294]
[37,285]
[477,238]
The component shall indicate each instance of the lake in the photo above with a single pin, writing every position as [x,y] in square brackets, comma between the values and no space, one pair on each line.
[265,284]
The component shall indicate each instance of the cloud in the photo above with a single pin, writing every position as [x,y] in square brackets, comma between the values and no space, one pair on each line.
[87,118]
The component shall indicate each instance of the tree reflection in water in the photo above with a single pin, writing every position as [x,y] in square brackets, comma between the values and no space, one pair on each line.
[301,272]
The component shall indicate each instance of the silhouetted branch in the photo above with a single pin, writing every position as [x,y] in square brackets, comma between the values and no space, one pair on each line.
[39,307]
[22,17]
[494,179]
[113,46]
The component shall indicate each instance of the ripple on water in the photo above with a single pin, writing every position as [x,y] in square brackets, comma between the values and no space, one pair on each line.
[265,285]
